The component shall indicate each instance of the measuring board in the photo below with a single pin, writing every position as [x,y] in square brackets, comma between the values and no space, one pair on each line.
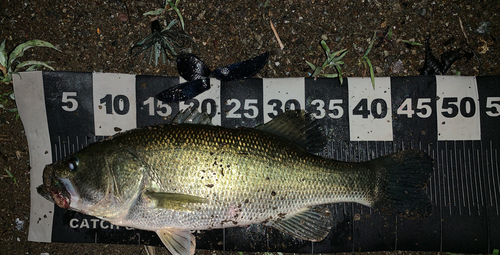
[454,119]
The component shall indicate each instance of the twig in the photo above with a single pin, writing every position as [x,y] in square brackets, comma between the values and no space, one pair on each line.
[150,250]
[276,34]
[463,30]
[468,45]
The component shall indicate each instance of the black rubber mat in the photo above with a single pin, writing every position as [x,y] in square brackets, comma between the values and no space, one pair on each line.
[455,120]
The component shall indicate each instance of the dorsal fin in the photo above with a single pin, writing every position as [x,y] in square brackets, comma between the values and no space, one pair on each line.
[298,126]
[191,115]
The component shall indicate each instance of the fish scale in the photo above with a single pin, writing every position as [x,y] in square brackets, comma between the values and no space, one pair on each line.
[281,178]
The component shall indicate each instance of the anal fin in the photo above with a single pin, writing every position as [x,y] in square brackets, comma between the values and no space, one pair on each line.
[178,241]
[311,224]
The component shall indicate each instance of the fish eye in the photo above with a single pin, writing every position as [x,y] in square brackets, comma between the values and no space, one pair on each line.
[73,163]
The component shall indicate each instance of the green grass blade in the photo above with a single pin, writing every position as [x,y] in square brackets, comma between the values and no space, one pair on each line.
[317,71]
[326,64]
[33,63]
[339,70]
[176,9]
[412,43]
[330,75]
[170,25]
[180,17]
[8,77]
[154,13]
[372,75]
[311,65]
[371,44]
[12,176]
[342,54]
[9,173]
[3,55]
[21,48]
[326,48]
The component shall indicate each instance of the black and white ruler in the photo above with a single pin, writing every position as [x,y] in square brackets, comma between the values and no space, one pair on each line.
[454,119]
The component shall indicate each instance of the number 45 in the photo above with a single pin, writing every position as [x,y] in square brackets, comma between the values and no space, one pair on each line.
[423,107]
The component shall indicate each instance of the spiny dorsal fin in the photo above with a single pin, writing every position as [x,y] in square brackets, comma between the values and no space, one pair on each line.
[310,224]
[298,126]
[178,241]
[191,115]
[171,201]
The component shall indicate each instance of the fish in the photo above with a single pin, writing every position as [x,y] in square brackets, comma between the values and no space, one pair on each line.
[190,175]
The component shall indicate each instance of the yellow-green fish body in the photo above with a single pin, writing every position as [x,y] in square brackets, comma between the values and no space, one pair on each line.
[175,178]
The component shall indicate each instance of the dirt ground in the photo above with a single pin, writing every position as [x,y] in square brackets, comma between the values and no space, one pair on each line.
[95,36]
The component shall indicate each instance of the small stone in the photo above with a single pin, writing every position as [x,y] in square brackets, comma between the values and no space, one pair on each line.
[483,28]
[397,66]
[19,224]
[324,37]
[122,17]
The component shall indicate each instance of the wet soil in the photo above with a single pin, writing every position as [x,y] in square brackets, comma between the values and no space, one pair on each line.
[95,36]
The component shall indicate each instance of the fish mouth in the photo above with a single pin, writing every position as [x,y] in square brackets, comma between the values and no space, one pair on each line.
[55,189]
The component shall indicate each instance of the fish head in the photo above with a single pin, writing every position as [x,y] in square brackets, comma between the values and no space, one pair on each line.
[101,180]
[57,186]
[77,182]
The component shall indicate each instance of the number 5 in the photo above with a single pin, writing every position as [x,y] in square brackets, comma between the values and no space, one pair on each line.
[493,106]
[70,101]
[335,104]
[250,106]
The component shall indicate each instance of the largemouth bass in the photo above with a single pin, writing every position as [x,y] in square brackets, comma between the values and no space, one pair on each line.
[175,178]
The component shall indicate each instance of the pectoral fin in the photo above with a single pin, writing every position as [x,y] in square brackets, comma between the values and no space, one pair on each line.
[178,241]
[171,201]
[311,224]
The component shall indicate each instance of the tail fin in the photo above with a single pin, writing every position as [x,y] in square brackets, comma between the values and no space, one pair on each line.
[401,179]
